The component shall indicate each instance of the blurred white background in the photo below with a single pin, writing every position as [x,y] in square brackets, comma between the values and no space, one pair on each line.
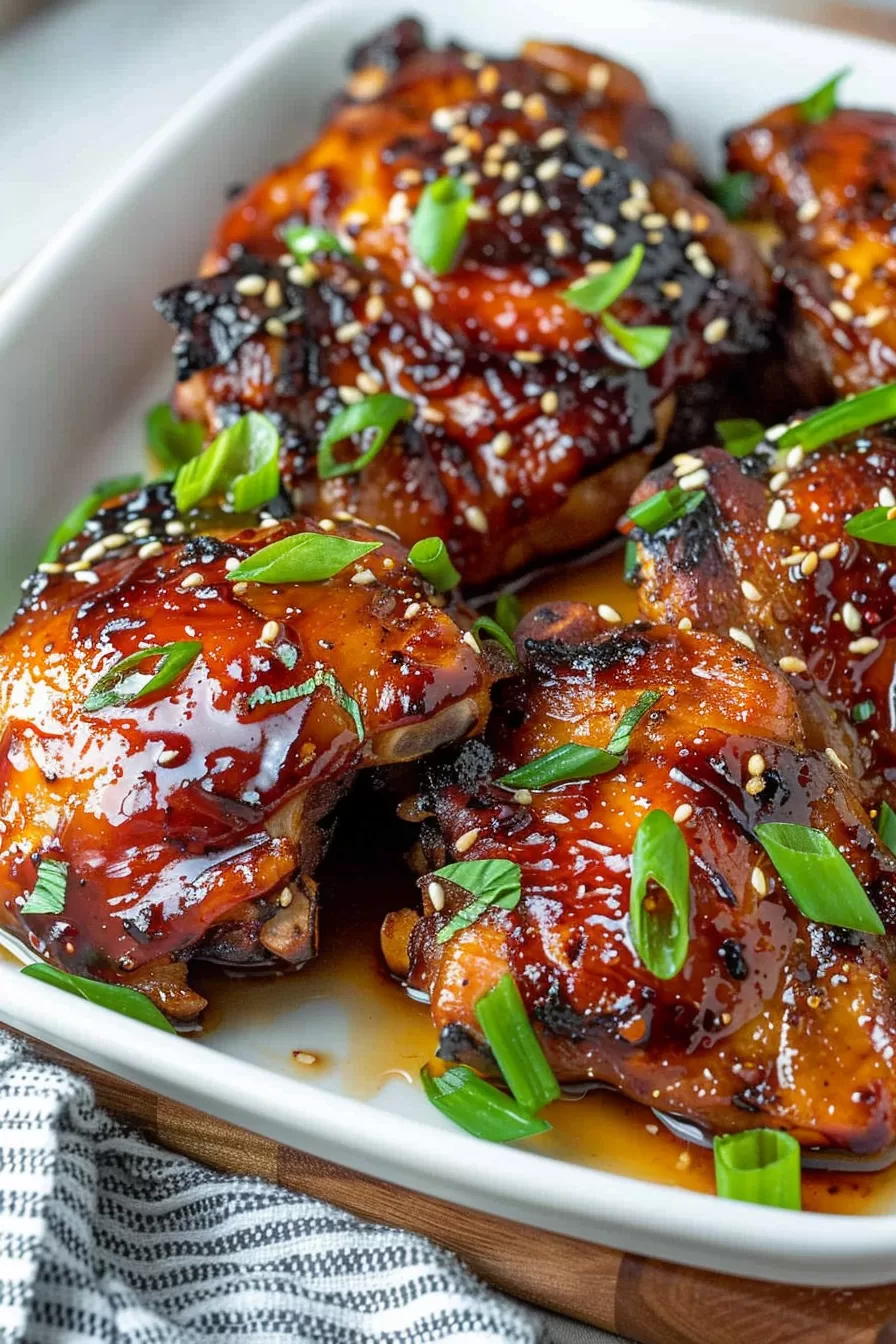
[83,83]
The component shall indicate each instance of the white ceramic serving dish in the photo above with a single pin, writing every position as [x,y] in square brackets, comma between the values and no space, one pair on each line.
[81,356]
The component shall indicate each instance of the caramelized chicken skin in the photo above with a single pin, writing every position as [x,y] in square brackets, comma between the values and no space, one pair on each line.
[829,188]
[191,819]
[530,427]
[773,1020]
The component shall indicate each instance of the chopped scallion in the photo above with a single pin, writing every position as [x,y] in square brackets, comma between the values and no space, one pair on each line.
[886,826]
[820,881]
[48,894]
[665,507]
[431,559]
[120,685]
[172,442]
[659,923]
[74,522]
[264,695]
[594,293]
[822,102]
[485,627]
[304,239]
[740,437]
[875,525]
[573,761]
[758,1166]
[477,1107]
[734,193]
[307,557]
[491,882]
[440,222]
[128,1002]
[241,464]
[863,711]
[502,1016]
[381,412]
[508,612]
[845,417]
[645,345]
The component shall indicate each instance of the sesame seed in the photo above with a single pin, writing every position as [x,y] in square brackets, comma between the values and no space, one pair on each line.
[363,577]
[885,497]
[653,237]
[535,107]
[549,402]
[94,552]
[609,614]
[789,520]
[829,550]
[531,202]
[250,285]
[491,168]
[87,576]
[230,564]
[528,356]
[436,893]
[151,548]
[631,209]
[682,813]
[368,383]
[809,563]
[774,432]
[135,525]
[597,267]
[270,632]
[703,266]
[411,610]
[509,203]
[474,60]
[795,558]
[466,841]
[475,518]
[835,759]
[479,210]
[192,580]
[512,99]
[455,156]
[547,171]
[598,76]
[432,415]
[754,786]
[715,331]
[489,79]
[550,139]
[694,249]
[604,234]
[350,395]
[167,756]
[867,644]
[654,220]
[348,331]
[501,444]
[327,524]
[791,664]
[240,588]
[685,624]
[469,639]
[741,637]
[693,480]
[304,1057]
[557,82]
[875,316]
[758,882]
[116,539]
[274,327]
[175,528]
[672,289]
[269,522]
[778,481]
[756,765]
[76,566]
[682,220]
[508,136]
[841,310]
[700,223]
[851,617]
[422,297]
[776,515]
[273,294]
[50,567]
[443,118]
[685,462]
[808,210]
[750,591]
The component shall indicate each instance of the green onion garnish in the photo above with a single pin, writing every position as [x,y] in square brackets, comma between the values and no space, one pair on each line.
[304,239]
[659,926]
[822,102]
[859,412]
[820,881]
[263,695]
[485,627]
[48,894]
[489,881]
[734,193]
[440,222]
[115,689]
[665,507]
[477,1107]
[121,999]
[308,557]
[508,612]
[172,442]
[594,293]
[74,522]
[631,564]
[502,1016]
[886,826]
[645,344]
[381,412]
[240,463]
[874,525]
[431,559]
[740,437]
[572,761]
[759,1166]
[863,711]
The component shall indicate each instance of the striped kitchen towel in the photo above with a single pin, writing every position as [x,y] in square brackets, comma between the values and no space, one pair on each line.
[104,1236]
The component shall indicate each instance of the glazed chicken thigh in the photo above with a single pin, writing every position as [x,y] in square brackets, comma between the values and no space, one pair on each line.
[527,422]
[772,1020]
[187,813]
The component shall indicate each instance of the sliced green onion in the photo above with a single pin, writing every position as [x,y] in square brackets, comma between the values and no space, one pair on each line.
[74,522]
[242,462]
[573,761]
[440,222]
[758,1166]
[734,193]
[874,525]
[128,1002]
[594,293]
[431,559]
[886,826]
[263,695]
[381,412]
[820,881]
[112,688]
[304,239]
[484,626]
[172,442]
[508,612]
[822,102]
[665,507]
[48,894]
[859,412]
[491,882]
[308,557]
[631,564]
[477,1107]
[502,1016]
[740,437]
[863,711]
[645,344]
[659,928]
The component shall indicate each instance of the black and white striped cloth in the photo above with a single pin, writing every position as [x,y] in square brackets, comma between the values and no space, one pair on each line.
[104,1237]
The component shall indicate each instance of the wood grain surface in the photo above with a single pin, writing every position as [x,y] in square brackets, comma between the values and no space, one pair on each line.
[644,1300]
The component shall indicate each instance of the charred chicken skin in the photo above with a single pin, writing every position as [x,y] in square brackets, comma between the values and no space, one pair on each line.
[529,425]
[773,1020]
[191,817]
[829,188]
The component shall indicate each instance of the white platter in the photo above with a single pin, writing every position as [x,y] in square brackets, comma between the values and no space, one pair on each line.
[81,356]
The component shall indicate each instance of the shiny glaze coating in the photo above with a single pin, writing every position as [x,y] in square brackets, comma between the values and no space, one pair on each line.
[773,1020]
[528,422]
[191,819]
[830,189]
[831,607]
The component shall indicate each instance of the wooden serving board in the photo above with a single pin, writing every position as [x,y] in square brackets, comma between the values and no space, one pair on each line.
[649,1301]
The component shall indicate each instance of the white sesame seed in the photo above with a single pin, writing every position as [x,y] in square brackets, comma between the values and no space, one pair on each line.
[116,539]
[756,765]
[466,841]
[693,480]
[436,893]
[776,515]
[685,462]
[522,796]
[597,267]
[422,297]
[230,564]
[411,610]
[273,294]
[531,202]
[604,234]
[50,567]
[251,285]
[609,614]
[509,203]
[269,522]
[682,220]
[703,266]
[433,415]
[348,331]
[475,518]
[240,588]
[867,644]
[835,759]
[270,632]
[175,528]
[512,99]
[479,210]
[754,786]
[374,308]
[685,624]
[841,310]
[795,558]
[501,444]
[304,1057]
[443,118]
[274,327]
[788,521]
[715,331]
[135,525]
[368,384]
[528,356]
[809,563]
[682,813]
[750,591]
[534,107]
[94,552]
[192,580]
[631,209]
[550,139]
[654,220]
[455,156]
[851,617]
[363,577]
[778,481]
[885,497]
[87,576]
[151,548]
[791,664]
[470,639]
[349,394]
[808,210]
[76,566]
[758,882]
[741,637]
[829,550]
[875,316]
[167,756]
[549,402]
[598,76]
[547,171]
